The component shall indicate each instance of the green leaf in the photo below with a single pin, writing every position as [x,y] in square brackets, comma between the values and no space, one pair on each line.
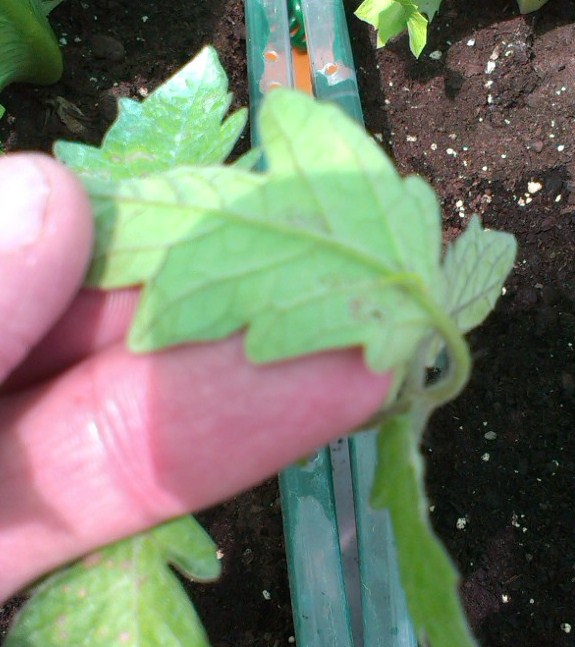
[329,248]
[124,594]
[417,30]
[182,122]
[527,6]
[325,250]
[475,266]
[389,17]
[392,17]
[427,574]
[29,51]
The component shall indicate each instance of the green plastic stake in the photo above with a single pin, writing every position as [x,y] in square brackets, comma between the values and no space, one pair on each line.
[386,621]
[333,70]
[269,53]
[321,606]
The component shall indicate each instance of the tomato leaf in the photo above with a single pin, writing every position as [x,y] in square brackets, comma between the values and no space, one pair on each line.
[475,266]
[329,248]
[124,594]
[182,122]
[392,17]
[322,251]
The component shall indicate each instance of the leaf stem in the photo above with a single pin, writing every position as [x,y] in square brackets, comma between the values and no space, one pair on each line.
[459,368]
[414,394]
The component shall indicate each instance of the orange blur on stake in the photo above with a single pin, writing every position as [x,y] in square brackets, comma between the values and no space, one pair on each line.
[302,70]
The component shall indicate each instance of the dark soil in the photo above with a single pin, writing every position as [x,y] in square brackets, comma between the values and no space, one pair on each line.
[502,457]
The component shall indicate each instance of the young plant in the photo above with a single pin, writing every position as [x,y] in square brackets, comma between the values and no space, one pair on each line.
[392,17]
[29,50]
[328,248]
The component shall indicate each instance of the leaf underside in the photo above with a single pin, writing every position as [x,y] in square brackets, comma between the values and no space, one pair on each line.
[329,248]
[317,253]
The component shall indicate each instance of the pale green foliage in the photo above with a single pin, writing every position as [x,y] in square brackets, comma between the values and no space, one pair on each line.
[320,252]
[182,122]
[392,17]
[124,594]
[328,248]
[29,50]
[475,266]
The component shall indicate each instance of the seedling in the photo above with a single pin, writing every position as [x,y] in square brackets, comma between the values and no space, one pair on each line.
[392,17]
[329,248]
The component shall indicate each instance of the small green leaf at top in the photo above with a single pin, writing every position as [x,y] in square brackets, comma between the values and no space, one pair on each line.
[427,574]
[329,248]
[392,17]
[125,594]
[182,122]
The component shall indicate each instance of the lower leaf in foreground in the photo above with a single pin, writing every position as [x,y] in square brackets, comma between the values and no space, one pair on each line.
[125,594]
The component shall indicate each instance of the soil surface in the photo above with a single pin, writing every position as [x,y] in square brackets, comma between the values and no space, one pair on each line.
[486,115]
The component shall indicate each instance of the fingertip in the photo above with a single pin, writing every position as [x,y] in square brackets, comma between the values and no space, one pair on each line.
[68,209]
[45,244]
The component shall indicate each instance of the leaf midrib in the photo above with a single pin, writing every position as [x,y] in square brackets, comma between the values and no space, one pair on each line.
[360,256]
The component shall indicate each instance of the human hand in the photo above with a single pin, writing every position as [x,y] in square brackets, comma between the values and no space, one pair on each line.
[97,443]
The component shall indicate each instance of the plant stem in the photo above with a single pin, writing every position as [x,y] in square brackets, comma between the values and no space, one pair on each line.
[459,367]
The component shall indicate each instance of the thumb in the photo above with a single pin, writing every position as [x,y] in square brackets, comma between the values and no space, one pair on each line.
[45,241]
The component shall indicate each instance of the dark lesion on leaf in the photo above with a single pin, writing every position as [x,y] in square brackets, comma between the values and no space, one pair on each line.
[362,311]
